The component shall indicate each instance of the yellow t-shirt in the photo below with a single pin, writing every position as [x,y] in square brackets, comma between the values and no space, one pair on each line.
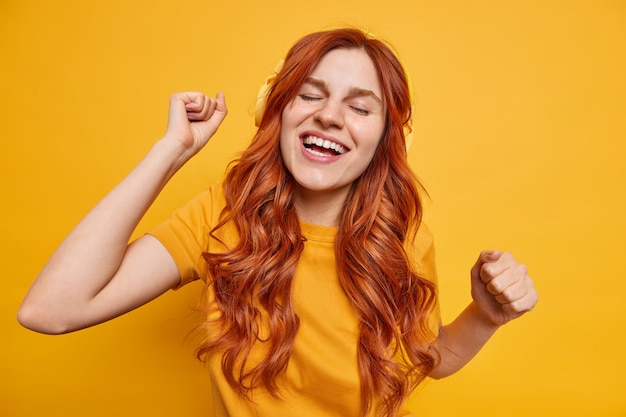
[322,376]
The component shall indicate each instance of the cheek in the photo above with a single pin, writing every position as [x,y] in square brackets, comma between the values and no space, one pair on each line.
[292,115]
[284,117]
[367,129]
[286,127]
[369,135]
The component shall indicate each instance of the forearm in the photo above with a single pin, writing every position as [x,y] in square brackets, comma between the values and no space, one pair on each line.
[459,341]
[95,275]
[90,255]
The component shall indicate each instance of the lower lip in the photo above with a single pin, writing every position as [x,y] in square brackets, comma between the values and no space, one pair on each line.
[318,158]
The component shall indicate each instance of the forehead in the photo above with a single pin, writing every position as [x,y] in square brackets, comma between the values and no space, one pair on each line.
[347,68]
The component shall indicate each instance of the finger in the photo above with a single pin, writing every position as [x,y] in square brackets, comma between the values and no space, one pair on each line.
[489,256]
[211,107]
[188,101]
[213,115]
[196,104]
[516,290]
[202,110]
[507,279]
[490,270]
[522,305]
[484,257]
[220,101]
[178,108]
[194,101]
[219,111]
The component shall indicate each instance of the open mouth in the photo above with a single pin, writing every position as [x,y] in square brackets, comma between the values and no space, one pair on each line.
[323,147]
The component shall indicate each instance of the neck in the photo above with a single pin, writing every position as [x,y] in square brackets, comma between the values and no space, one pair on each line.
[322,208]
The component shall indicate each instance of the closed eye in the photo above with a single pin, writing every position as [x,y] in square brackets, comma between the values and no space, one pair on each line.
[306,97]
[359,110]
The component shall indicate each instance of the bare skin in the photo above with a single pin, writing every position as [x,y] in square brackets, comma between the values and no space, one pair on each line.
[95,275]
[502,291]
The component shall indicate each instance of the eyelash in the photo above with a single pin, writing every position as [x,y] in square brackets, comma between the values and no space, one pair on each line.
[360,111]
[357,110]
[308,98]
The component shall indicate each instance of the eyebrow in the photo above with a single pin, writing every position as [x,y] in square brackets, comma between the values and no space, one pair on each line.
[353,92]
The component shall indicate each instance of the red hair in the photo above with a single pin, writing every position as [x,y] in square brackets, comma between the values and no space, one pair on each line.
[253,278]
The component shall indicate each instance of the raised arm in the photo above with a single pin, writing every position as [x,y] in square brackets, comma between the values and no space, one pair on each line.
[501,291]
[95,275]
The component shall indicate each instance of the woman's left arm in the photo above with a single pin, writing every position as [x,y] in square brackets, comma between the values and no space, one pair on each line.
[502,290]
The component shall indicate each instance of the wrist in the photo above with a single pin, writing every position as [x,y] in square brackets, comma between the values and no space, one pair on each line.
[481,318]
[170,153]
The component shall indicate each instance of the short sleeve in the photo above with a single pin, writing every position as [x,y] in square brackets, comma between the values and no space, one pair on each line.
[185,234]
[422,252]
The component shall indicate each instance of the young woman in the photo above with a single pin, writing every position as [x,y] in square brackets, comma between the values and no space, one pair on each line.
[320,278]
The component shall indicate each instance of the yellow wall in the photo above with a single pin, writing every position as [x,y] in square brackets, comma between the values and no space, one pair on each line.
[520,138]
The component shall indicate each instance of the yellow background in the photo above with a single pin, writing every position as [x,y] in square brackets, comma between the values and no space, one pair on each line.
[520,139]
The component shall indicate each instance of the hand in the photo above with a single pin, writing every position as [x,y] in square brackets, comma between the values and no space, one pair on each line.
[194,118]
[501,287]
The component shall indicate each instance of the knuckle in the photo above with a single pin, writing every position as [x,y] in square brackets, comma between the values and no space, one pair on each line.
[523,269]
[487,270]
[508,295]
[494,287]
[511,308]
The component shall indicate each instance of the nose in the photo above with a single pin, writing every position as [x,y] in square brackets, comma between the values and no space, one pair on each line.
[330,114]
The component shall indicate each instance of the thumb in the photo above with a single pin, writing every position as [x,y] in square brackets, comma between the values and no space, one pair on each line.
[485,256]
[489,256]
[221,105]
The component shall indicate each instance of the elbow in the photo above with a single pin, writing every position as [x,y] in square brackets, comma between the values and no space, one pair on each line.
[445,366]
[439,373]
[38,320]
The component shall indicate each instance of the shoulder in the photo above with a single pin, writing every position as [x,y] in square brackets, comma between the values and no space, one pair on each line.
[204,208]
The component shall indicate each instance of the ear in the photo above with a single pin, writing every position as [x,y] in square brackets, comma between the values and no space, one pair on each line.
[262,95]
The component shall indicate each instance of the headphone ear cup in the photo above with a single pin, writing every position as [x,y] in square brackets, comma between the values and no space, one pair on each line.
[260,104]
[261,97]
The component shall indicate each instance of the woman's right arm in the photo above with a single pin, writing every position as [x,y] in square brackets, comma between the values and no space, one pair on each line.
[95,275]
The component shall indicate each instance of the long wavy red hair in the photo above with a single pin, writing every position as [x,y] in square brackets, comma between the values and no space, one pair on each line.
[252,280]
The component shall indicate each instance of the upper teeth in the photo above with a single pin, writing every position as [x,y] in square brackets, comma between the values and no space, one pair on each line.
[323,143]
